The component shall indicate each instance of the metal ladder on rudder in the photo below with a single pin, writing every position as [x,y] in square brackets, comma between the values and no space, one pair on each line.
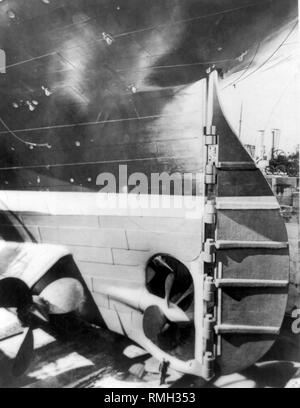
[232,339]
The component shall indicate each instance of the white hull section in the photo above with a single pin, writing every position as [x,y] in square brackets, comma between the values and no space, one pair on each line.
[111,246]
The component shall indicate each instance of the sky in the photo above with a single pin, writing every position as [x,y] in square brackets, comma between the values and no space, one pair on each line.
[269,98]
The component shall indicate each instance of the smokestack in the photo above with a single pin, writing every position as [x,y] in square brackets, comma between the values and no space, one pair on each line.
[261,148]
[275,141]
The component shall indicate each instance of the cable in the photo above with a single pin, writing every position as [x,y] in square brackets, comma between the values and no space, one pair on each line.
[38,166]
[246,70]
[72,125]
[278,102]
[11,132]
[282,61]
[191,19]
[272,55]
[32,59]
[192,64]
[94,146]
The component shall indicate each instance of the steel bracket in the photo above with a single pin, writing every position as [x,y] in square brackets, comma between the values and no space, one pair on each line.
[209,289]
[208,366]
[210,212]
[209,327]
[209,255]
[210,173]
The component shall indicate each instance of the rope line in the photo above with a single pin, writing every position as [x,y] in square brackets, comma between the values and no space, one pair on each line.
[191,19]
[272,55]
[243,77]
[91,163]
[285,89]
[73,125]
[177,65]
[31,59]
[247,68]
[11,132]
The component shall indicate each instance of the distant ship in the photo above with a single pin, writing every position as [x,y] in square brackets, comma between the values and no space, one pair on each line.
[92,87]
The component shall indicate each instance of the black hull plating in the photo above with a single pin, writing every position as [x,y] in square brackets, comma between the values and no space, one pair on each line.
[136,99]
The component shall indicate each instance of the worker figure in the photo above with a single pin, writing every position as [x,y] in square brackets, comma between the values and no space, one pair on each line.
[163,369]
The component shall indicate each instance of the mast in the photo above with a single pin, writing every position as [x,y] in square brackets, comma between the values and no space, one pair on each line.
[241,120]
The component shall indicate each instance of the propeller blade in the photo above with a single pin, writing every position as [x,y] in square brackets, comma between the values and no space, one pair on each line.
[25,354]
[154,322]
[187,293]
[63,296]
[152,365]
[138,370]
[159,261]
[40,309]
[134,352]
[14,293]
[168,287]
[150,274]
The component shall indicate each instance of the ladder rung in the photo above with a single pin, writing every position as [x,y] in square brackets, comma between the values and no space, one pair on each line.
[243,329]
[251,244]
[236,166]
[251,283]
[247,203]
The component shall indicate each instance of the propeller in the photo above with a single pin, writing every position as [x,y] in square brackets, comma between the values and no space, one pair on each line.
[62,296]
[166,277]
[155,321]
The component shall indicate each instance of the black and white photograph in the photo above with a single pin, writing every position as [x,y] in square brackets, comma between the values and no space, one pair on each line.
[149,196]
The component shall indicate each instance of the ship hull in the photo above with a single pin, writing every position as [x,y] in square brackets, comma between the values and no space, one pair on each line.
[228,236]
[75,105]
[77,170]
